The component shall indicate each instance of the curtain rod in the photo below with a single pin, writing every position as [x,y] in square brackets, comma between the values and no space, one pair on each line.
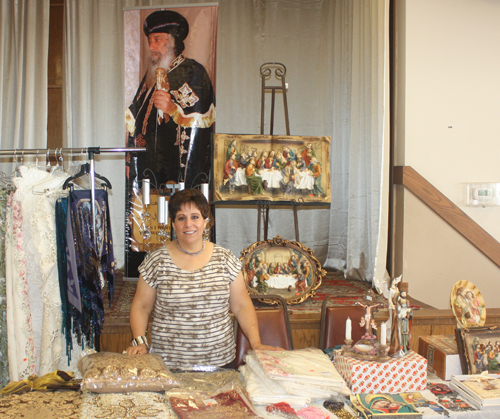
[78,150]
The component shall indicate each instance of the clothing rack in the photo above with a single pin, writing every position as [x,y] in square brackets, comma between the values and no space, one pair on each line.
[91,151]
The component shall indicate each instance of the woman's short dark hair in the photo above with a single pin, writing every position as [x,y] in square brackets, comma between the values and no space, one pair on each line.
[188,197]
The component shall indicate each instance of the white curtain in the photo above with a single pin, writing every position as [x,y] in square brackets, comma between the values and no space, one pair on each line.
[24,40]
[335,52]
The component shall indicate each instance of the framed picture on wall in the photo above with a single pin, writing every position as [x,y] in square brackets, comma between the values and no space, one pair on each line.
[274,168]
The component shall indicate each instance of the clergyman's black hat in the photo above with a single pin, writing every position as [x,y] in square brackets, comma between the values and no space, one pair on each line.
[167,21]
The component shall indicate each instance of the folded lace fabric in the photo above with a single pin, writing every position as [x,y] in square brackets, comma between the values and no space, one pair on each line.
[260,393]
[306,372]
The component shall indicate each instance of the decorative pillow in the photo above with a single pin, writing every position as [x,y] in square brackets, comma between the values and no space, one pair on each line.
[109,372]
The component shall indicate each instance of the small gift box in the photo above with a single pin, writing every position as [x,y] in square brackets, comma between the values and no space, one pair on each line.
[405,374]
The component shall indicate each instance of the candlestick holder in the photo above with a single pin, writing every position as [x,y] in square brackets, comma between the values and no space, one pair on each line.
[383,350]
[367,349]
[347,346]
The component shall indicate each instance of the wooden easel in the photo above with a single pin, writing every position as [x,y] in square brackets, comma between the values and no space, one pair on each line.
[266,71]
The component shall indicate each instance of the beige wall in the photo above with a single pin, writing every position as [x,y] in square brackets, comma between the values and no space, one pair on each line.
[448,95]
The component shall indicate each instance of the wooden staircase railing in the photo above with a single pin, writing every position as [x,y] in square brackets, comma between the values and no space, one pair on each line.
[448,211]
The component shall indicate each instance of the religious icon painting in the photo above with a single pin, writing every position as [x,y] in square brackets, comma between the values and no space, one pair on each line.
[272,168]
[479,349]
[384,406]
[281,267]
[468,305]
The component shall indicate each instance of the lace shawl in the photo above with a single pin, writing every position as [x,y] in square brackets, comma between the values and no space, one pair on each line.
[20,341]
[36,192]
[4,358]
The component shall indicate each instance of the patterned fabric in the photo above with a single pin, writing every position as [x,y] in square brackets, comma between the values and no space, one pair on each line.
[192,325]
[93,264]
[120,406]
[42,405]
[4,359]
[209,381]
[230,404]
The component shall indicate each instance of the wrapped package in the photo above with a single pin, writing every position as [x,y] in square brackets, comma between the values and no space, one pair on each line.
[306,372]
[262,390]
[108,372]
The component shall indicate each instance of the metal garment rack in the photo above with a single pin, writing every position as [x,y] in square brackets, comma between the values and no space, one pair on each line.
[91,151]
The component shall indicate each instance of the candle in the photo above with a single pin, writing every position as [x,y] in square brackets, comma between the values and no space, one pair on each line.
[383,334]
[145,191]
[348,329]
[204,190]
[161,209]
[181,186]
[166,211]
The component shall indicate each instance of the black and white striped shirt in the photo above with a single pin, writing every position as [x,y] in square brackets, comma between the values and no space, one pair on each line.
[191,324]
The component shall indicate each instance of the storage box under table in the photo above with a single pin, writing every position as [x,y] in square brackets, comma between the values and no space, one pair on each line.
[397,375]
[441,352]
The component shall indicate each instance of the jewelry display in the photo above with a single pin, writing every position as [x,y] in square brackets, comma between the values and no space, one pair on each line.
[337,408]
[206,231]
[190,253]
[146,216]
[162,217]
[162,226]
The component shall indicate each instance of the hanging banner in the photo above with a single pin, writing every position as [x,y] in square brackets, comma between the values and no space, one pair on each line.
[170,56]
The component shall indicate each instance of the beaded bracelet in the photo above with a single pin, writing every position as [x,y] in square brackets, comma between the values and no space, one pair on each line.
[139,340]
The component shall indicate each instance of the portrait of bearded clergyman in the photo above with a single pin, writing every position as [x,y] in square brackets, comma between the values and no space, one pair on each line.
[173,110]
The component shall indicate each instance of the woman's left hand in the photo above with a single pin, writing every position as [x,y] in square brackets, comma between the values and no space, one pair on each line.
[262,347]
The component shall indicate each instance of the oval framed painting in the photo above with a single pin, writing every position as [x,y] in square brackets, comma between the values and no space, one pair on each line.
[468,305]
[282,267]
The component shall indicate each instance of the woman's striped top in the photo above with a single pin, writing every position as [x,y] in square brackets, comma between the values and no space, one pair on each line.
[191,324]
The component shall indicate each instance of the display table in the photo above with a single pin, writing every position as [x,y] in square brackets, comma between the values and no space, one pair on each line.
[78,405]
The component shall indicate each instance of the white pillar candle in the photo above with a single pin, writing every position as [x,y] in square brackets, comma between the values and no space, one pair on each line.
[204,190]
[145,192]
[348,329]
[161,209]
[383,334]
[182,185]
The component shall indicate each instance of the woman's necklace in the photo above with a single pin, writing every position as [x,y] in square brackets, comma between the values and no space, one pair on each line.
[190,253]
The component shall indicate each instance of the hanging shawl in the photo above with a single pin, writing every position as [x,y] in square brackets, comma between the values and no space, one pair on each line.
[4,359]
[94,264]
[68,311]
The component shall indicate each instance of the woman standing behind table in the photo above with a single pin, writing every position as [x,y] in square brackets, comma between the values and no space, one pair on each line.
[191,283]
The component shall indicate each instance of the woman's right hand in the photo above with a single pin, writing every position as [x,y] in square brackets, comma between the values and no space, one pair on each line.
[140,349]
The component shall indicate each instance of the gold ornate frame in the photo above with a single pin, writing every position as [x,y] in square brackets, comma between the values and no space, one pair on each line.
[265,272]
